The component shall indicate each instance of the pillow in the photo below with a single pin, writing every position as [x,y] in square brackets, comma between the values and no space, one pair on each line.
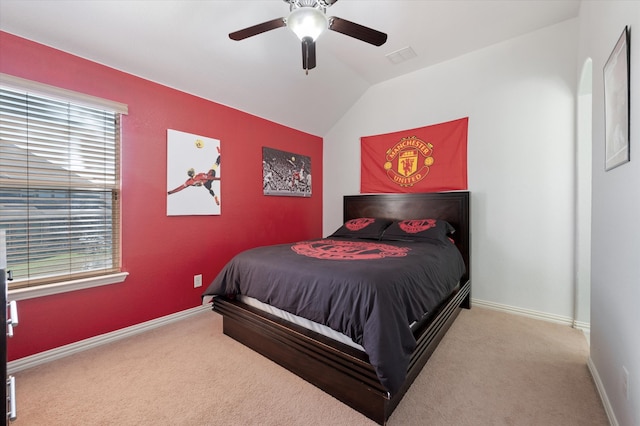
[364,227]
[418,230]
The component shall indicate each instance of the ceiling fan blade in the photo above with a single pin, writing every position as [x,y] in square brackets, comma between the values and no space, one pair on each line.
[358,31]
[308,54]
[257,29]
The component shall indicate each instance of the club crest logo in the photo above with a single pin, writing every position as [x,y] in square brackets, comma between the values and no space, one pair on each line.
[415,226]
[408,161]
[347,250]
[358,224]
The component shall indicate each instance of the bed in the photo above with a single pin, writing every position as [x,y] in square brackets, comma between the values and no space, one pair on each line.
[371,374]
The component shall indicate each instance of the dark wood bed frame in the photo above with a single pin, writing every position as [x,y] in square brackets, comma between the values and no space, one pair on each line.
[336,368]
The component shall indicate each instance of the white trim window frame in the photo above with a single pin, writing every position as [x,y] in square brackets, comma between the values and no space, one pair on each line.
[59,188]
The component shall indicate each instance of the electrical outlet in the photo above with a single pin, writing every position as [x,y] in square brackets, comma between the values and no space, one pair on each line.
[197,281]
[625,383]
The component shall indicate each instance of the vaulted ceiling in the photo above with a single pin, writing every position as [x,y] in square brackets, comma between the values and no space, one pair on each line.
[184,44]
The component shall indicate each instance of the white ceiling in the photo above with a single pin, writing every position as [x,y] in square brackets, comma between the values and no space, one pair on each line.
[184,44]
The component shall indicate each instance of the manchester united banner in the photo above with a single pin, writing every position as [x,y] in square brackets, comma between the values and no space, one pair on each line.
[427,159]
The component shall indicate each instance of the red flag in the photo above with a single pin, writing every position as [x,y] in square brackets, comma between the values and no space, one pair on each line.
[427,159]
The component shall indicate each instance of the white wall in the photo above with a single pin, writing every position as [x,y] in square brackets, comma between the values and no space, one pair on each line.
[615,255]
[520,99]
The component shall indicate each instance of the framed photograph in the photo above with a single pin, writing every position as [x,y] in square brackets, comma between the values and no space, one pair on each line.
[617,103]
[193,174]
[285,173]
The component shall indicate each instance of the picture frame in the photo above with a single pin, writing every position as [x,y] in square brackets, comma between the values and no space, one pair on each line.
[617,103]
[285,173]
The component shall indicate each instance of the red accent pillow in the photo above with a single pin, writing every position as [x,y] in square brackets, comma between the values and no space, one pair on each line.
[365,227]
[418,230]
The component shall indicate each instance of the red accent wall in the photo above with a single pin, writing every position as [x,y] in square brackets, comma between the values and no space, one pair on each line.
[162,254]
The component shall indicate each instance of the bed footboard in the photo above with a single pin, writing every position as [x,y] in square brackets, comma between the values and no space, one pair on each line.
[338,369]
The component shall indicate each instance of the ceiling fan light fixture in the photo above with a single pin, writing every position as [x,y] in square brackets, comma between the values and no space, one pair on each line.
[307,22]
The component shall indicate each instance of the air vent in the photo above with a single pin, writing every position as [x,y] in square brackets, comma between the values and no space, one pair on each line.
[401,55]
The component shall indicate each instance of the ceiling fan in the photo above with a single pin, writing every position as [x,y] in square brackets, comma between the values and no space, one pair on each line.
[308,19]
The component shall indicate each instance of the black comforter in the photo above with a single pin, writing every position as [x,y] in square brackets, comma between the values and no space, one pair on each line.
[369,290]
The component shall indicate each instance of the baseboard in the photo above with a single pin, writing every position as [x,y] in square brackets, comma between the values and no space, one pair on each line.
[585,327]
[559,319]
[70,349]
[92,342]
[581,325]
[602,392]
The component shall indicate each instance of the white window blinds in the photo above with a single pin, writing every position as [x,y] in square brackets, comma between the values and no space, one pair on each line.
[59,188]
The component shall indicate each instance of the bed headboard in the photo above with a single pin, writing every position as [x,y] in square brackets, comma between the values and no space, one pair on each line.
[450,206]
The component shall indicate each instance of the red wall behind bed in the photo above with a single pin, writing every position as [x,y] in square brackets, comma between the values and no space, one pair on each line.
[162,254]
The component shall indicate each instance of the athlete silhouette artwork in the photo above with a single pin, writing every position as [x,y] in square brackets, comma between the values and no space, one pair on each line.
[201,179]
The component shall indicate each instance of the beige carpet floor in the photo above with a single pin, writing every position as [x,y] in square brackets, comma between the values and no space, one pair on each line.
[492,368]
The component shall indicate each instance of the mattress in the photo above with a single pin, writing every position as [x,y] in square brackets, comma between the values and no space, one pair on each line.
[298,320]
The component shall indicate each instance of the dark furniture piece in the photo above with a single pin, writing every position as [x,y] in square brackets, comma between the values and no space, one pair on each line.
[338,369]
[8,311]
[3,341]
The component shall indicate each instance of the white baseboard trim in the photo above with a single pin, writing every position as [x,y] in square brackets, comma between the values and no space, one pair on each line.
[585,327]
[559,319]
[581,325]
[92,342]
[602,392]
[72,348]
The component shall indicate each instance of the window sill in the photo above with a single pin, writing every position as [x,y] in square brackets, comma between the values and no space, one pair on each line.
[63,287]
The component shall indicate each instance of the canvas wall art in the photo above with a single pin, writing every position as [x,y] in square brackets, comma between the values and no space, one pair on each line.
[193,174]
[285,173]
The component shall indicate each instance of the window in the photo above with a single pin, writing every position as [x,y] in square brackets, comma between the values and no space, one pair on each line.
[59,187]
